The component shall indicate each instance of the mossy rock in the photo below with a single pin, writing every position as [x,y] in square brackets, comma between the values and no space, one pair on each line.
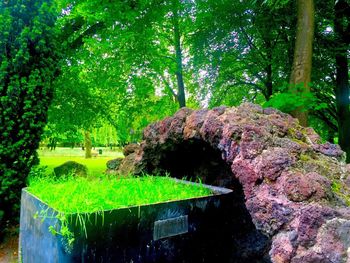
[131,148]
[114,164]
[71,168]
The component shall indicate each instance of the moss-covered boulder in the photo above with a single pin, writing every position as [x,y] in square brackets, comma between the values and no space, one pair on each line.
[131,148]
[71,168]
[114,164]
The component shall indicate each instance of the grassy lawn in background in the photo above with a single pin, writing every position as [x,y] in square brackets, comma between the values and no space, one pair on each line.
[77,151]
[95,165]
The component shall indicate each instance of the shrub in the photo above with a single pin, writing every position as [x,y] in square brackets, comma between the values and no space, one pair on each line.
[28,64]
[290,99]
[71,167]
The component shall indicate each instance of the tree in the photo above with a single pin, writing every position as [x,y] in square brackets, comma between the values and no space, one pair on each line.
[146,36]
[178,54]
[28,64]
[110,74]
[342,34]
[76,106]
[244,51]
[125,63]
[302,62]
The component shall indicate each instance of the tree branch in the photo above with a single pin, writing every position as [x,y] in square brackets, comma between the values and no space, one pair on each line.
[167,85]
[168,57]
[322,116]
[251,44]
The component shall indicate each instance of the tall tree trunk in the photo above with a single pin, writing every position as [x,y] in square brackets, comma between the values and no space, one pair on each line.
[342,78]
[330,136]
[302,61]
[178,54]
[88,144]
[268,69]
[269,85]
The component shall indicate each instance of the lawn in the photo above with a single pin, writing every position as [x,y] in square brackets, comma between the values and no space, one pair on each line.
[95,165]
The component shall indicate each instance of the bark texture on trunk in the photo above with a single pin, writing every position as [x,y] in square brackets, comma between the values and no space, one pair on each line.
[88,144]
[342,77]
[269,84]
[178,55]
[302,61]
[268,69]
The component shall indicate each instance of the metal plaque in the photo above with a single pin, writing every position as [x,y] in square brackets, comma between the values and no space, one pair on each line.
[170,227]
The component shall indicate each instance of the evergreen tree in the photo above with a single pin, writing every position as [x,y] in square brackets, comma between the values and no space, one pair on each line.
[28,64]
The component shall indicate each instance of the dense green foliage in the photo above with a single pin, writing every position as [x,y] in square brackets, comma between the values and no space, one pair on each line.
[28,58]
[81,195]
[288,100]
[122,66]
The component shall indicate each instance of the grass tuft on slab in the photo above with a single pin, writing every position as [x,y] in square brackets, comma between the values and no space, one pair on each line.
[82,195]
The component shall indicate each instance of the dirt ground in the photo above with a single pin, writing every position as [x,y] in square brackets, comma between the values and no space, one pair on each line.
[9,247]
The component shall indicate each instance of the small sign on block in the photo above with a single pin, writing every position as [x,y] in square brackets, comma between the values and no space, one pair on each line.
[170,227]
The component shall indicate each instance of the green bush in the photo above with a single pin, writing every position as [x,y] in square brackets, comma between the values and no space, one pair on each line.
[28,64]
[290,99]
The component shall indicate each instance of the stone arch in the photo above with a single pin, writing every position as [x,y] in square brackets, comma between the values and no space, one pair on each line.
[282,174]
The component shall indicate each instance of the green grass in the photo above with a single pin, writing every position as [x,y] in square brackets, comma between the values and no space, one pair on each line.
[81,195]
